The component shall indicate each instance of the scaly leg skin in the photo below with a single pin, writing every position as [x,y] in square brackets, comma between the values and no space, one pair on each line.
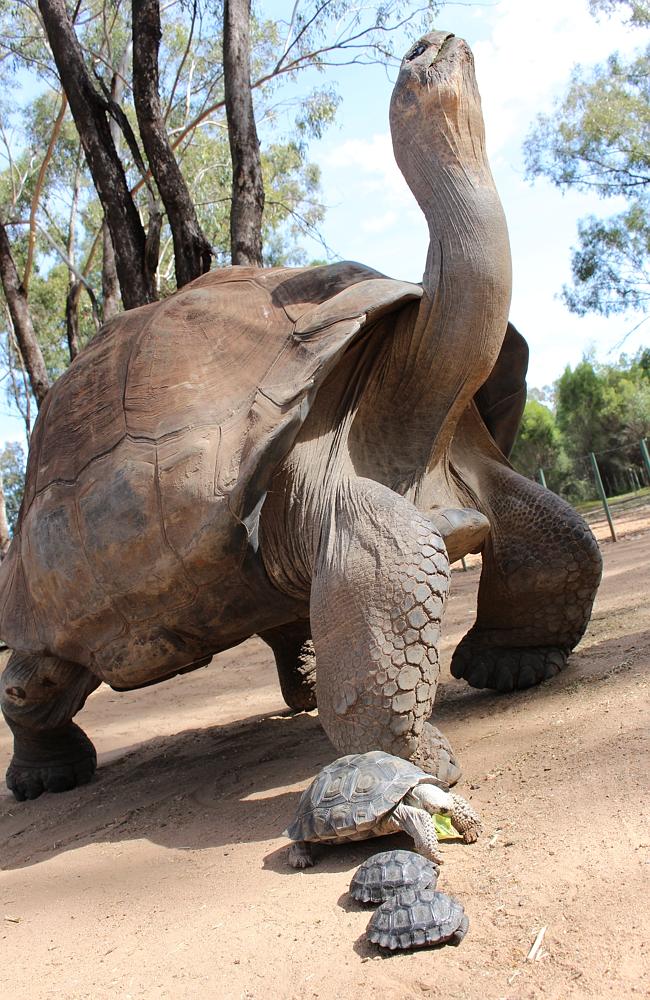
[456,938]
[464,819]
[541,570]
[377,597]
[39,696]
[299,855]
[296,663]
[421,826]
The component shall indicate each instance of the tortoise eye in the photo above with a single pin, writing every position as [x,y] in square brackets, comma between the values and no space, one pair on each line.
[416,51]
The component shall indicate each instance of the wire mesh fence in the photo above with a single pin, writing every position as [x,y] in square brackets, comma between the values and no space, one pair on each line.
[612,477]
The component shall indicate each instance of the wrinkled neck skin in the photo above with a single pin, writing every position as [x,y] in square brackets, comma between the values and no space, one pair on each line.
[439,144]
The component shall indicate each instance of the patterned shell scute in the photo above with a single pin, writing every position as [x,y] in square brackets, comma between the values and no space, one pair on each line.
[417,918]
[385,874]
[348,796]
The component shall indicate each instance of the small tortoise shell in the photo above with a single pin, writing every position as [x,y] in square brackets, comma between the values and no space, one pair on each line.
[415,918]
[387,873]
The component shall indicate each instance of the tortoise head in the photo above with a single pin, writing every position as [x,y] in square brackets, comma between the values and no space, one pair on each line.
[436,119]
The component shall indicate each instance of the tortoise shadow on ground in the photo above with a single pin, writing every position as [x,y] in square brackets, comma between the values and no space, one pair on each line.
[229,784]
[585,666]
[198,789]
[366,950]
[345,857]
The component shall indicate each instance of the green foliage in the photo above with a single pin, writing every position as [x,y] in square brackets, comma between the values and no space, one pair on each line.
[598,136]
[598,408]
[598,139]
[639,10]
[611,266]
[539,442]
[12,469]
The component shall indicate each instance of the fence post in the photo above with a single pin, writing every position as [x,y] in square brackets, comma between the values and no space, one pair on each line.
[601,491]
[542,478]
[646,457]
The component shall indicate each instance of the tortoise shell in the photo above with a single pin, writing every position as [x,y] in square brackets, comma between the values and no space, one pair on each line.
[348,797]
[415,918]
[385,874]
[151,458]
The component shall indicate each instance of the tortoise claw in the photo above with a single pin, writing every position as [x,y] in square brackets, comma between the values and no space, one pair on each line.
[300,855]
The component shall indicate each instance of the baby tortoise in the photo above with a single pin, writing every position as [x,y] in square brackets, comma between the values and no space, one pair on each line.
[417,918]
[372,794]
[385,874]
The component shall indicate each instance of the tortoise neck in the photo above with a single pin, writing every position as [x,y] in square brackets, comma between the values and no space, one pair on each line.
[463,314]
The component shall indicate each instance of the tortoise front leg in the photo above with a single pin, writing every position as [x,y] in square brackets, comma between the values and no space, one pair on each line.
[421,827]
[378,593]
[39,695]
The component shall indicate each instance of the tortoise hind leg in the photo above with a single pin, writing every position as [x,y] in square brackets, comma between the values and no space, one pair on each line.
[541,570]
[296,663]
[39,695]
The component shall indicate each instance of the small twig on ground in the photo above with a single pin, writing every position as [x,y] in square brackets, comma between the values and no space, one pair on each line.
[537,944]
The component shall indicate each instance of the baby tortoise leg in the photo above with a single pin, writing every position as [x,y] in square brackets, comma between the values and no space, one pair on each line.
[456,938]
[421,826]
[300,855]
[378,593]
[296,663]
[541,570]
[39,696]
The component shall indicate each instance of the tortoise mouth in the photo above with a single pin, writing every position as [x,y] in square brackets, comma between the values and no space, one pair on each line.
[437,73]
[431,49]
[433,73]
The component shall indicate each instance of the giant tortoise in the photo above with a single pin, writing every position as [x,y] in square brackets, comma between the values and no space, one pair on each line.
[299,454]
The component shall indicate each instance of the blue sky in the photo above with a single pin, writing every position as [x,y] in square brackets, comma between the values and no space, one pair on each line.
[524,52]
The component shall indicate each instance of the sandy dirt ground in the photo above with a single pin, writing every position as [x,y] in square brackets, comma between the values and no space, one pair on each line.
[166,877]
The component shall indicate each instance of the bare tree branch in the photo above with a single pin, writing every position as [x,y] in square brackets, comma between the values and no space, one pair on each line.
[22,321]
[192,251]
[38,188]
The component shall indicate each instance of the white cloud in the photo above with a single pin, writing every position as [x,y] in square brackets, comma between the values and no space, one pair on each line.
[371,165]
[380,223]
[528,57]
[524,54]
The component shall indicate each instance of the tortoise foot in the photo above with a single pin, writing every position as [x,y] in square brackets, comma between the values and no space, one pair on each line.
[503,668]
[296,662]
[49,761]
[456,938]
[435,756]
[300,855]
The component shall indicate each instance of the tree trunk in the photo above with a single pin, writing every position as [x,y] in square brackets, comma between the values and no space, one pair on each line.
[247,185]
[192,252]
[5,537]
[110,291]
[22,321]
[89,112]
[72,318]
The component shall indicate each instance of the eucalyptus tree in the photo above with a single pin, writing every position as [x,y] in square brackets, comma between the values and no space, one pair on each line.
[123,163]
[597,139]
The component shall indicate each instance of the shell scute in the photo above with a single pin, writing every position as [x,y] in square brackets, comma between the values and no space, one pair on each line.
[417,917]
[385,874]
[350,795]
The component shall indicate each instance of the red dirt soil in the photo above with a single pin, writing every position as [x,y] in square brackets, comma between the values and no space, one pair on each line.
[166,877]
